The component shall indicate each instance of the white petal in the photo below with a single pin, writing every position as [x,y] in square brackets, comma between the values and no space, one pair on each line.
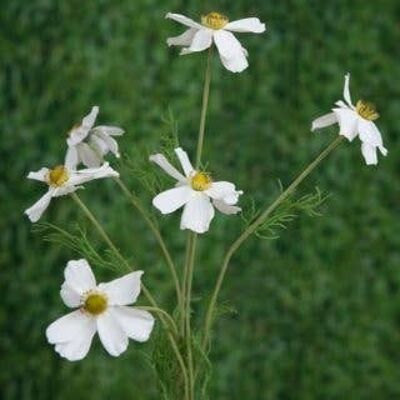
[202,40]
[324,121]
[65,189]
[231,51]
[369,133]
[348,122]
[346,90]
[369,153]
[40,175]
[233,197]
[89,156]
[246,25]
[99,144]
[164,164]
[79,133]
[70,296]
[111,334]
[184,160]
[108,130]
[90,174]
[72,158]
[72,334]
[36,211]
[79,276]
[198,213]
[225,208]
[185,39]
[124,290]
[383,150]
[111,143]
[184,20]
[220,190]
[137,324]
[342,104]
[172,199]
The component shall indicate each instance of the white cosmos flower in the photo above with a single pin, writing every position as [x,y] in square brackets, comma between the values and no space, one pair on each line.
[196,192]
[216,28]
[355,121]
[99,308]
[61,181]
[88,144]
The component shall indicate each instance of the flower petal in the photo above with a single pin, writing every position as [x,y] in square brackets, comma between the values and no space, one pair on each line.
[348,122]
[70,296]
[137,324]
[108,130]
[172,199]
[110,142]
[90,174]
[225,208]
[324,121]
[164,164]
[124,290]
[246,25]
[79,133]
[369,133]
[202,40]
[111,334]
[220,190]
[369,153]
[36,211]
[346,90]
[79,276]
[198,213]
[184,20]
[72,157]
[231,51]
[184,160]
[89,156]
[185,39]
[40,175]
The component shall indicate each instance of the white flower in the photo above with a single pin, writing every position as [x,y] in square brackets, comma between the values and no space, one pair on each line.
[355,121]
[216,28]
[196,192]
[88,144]
[61,181]
[100,308]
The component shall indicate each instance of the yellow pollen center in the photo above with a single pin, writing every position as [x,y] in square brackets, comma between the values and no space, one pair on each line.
[201,181]
[95,303]
[58,176]
[214,20]
[366,110]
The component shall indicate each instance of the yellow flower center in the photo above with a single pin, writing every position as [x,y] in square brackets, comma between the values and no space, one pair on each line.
[95,303]
[214,20]
[58,176]
[201,181]
[366,110]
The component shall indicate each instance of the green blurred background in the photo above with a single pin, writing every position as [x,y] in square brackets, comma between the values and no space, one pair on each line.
[317,311]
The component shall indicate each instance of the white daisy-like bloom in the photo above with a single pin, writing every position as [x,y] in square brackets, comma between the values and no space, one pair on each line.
[216,28]
[100,308]
[355,121]
[88,144]
[196,192]
[61,181]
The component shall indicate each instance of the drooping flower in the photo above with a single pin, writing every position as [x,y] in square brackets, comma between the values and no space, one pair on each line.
[216,28]
[88,144]
[196,192]
[355,121]
[61,181]
[100,308]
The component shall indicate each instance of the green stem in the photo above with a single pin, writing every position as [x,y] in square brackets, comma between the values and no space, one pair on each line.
[146,292]
[253,227]
[136,203]
[164,314]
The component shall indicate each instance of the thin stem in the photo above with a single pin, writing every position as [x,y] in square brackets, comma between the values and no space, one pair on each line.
[253,227]
[206,95]
[136,203]
[146,292]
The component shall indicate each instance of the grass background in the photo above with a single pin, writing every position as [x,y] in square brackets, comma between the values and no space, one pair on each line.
[318,311]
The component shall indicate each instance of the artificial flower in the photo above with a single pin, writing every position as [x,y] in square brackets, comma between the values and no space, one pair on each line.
[355,121]
[61,181]
[88,144]
[196,192]
[216,28]
[100,308]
